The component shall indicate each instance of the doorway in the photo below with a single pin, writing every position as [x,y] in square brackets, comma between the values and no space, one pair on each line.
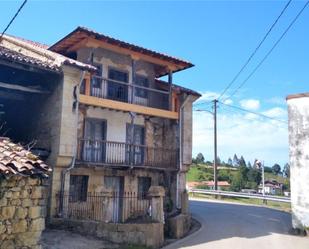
[116,185]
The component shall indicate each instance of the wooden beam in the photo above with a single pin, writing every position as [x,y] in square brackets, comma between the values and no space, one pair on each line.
[78,45]
[116,105]
[21,88]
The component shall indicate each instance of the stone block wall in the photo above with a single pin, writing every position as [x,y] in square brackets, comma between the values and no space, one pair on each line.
[144,234]
[22,212]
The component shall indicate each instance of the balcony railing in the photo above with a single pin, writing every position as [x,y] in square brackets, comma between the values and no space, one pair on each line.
[103,152]
[129,93]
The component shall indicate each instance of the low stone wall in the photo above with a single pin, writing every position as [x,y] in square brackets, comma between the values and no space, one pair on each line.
[179,225]
[146,234]
[22,212]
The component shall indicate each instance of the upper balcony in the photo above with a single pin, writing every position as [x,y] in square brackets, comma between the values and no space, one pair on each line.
[127,96]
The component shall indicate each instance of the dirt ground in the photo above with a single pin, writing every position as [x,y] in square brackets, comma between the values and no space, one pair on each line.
[61,239]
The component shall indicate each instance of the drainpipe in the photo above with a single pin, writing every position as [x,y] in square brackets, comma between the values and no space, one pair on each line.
[180,148]
[72,164]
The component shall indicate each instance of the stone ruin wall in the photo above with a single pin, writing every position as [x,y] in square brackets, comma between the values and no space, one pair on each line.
[22,212]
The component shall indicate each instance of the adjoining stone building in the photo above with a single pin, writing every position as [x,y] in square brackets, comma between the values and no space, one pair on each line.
[298,112]
[23,197]
[119,139]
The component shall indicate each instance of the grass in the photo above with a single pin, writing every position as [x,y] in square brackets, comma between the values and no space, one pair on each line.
[271,204]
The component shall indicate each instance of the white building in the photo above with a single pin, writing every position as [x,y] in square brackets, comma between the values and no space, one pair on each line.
[298,111]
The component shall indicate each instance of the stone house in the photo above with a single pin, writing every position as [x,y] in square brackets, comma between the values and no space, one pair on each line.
[23,197]
[298,114]
[118,137]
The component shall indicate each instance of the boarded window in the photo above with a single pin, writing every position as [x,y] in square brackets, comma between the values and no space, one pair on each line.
[144,184]
[141,81]
[78,188]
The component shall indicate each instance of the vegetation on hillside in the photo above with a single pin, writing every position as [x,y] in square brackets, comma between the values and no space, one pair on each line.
[239,173]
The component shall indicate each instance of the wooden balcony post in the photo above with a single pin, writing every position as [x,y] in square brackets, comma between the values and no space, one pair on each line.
[87,84]
[170,97]
[133,68]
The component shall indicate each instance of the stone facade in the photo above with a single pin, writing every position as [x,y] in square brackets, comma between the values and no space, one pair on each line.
[298,111]
[22,212]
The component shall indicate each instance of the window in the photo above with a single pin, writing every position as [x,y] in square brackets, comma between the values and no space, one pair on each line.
[141,81]
[144,184]
[117,91]
[78,188]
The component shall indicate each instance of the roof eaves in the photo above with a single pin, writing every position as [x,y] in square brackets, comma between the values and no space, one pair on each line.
[123,44]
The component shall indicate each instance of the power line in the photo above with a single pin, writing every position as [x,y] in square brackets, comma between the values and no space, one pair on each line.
[270,51]
[255,50]
[204,103]
[12,20]
[252,112]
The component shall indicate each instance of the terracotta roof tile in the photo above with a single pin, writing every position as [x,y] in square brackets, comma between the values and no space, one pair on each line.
[19,49]
[14,159]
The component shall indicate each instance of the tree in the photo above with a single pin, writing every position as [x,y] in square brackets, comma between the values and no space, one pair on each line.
[242,161]
[249,165]
[237,182]
[276,169]
[286,170]
[243,171]
[254,175]
[230,162]
[235,161]
[200,158]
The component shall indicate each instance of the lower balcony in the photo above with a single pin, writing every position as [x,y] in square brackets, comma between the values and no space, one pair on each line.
[109,153]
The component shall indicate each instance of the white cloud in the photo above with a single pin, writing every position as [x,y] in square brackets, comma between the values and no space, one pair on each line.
[276,112]
[250,104]
[228,101]
[244,134]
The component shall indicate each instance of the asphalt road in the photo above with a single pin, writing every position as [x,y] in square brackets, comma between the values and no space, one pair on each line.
[235,226]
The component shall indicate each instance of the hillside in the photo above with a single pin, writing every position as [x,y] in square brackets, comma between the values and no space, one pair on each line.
[204,172]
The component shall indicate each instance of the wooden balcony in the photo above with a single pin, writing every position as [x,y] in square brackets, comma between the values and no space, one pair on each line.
[123,96]
[117,154]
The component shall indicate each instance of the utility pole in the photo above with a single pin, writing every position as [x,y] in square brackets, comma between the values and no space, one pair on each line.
[263,181]
[215,145]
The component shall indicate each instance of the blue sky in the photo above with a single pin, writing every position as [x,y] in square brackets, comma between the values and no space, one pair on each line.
[218,37]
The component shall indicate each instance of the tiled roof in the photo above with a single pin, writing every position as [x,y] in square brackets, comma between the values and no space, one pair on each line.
[179,88]
[35,53]
[81,32]
[15,160]
[207,183]
[34,43]
[18,57]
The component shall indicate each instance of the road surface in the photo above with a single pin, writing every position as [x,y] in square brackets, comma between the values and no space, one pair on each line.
[236,226]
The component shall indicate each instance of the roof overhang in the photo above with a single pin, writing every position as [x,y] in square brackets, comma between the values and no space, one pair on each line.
[83,37]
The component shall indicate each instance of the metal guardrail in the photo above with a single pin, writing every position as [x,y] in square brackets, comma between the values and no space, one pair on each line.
[238,194]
